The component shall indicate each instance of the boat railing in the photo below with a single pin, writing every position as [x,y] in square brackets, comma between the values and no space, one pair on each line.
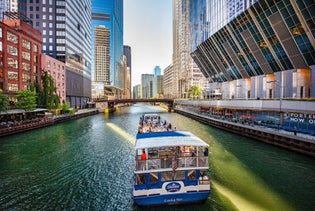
[171,163]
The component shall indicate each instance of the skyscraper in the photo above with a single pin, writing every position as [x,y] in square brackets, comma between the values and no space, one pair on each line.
[266,51]
[109,13]
[189,22]
[4,7]
[221,12]
[101,54]
[146,85]
[157,71]
[127,84]
[66,28]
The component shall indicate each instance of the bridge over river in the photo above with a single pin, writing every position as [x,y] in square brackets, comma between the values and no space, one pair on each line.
[101,105]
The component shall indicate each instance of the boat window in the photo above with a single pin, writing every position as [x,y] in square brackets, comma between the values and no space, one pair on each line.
[192,175]
[140,179]
[154,178]
[153,153]
[179,175]
[166,152]
[166,176]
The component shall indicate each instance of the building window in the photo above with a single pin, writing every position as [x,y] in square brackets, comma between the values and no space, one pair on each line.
[13,87]
[26,66]
[44,9]
[12,38]
[26,44]
[26,56]
[13,63]
[12,50]
[31,8]
[35,48]
[44,17]
[26,78]
[37,24]
[13,76]
[37,16]
[0,32]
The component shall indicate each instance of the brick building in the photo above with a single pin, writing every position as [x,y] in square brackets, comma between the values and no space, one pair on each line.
[20,50]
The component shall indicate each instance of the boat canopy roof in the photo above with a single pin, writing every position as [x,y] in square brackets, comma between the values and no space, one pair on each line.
[167,139]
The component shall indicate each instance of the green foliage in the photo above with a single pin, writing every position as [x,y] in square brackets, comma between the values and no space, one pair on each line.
[195,92]
[71,111]
[26,100]
[65,106]
[4,102]
[47,97]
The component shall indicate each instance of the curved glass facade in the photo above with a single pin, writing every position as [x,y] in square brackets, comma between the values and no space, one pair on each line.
[269,37]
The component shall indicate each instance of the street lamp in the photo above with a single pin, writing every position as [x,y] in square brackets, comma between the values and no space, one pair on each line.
[280,100]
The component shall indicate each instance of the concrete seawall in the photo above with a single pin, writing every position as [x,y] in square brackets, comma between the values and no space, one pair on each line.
[294,143]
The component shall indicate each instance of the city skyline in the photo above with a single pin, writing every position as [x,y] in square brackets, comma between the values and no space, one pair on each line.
[148,31]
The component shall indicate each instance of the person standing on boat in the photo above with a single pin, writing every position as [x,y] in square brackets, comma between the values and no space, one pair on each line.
[143,156]
[206,152]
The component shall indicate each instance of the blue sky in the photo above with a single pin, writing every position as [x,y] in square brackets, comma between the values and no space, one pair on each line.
[148,31]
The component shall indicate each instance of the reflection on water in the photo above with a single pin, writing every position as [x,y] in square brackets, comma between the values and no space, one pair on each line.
[87,164]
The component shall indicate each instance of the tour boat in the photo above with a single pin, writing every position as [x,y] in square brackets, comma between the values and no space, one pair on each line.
[171,167]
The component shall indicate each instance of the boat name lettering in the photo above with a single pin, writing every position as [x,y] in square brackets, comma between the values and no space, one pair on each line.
[173,187]
[173,200]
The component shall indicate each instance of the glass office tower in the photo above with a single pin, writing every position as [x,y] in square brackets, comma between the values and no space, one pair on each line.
[66,30]
[222,12]
[269,50]
[4,7]
[199,22]
[109,13]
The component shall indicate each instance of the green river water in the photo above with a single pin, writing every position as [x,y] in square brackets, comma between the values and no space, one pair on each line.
[87,164]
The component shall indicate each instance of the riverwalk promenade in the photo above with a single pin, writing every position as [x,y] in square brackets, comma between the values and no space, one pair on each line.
[36,123]
[301,143]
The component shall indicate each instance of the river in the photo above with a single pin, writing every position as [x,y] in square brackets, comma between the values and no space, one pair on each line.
[87,164]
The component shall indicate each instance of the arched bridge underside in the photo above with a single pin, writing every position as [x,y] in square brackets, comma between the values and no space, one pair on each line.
[110,104]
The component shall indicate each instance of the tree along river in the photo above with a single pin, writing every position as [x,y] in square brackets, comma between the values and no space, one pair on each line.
[87,164]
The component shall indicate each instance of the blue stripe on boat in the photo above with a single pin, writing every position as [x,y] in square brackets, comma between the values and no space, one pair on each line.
[162,134]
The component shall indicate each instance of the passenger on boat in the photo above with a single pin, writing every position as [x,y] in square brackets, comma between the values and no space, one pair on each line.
[206,152]
[143,156]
